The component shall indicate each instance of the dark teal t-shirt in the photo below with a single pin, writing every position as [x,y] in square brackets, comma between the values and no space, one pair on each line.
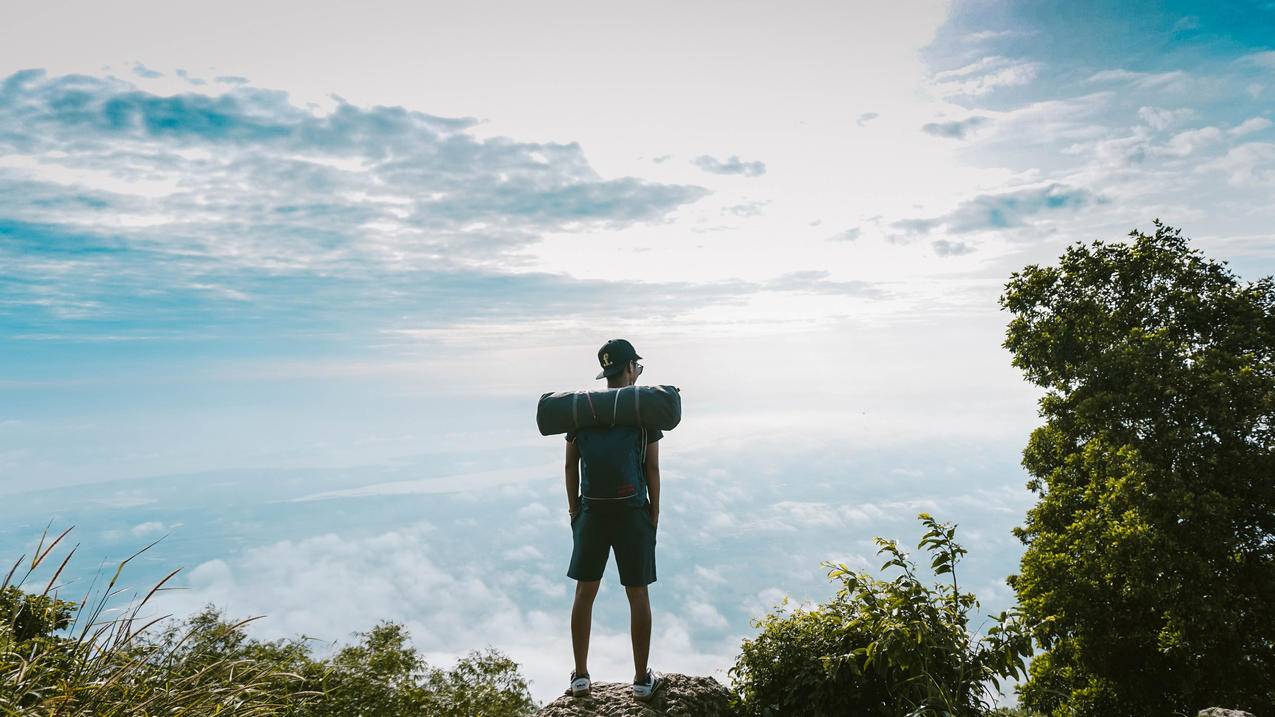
[638,500]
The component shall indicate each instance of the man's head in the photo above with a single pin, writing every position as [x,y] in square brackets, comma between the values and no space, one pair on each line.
[619,361]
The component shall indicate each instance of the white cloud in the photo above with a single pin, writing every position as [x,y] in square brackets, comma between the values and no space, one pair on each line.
[765,601]
[709,575]
[956,129]
[907,508]
[849,235]
[1047,124]
[1190,141]
[984,35]
[524,553]
[854,561]
[1249,126]
[947,247]
[1264,58]
[1114,76]
[863,513]
[329,586]
[127,499]
[1161,119]
[720,520]
[152,527]
[704,615]
[447,484]
[809,514]
[533,511]
[984,76]
[730,165]
[191,186]
[994,592]
[1247,165]
[991,212]
[518,581]
[1175,79]
[1125,152]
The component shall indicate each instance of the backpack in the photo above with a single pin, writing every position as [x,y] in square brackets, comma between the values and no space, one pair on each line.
[612,462]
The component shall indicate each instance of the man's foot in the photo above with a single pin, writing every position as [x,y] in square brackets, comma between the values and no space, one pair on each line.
[644,691]
[579,685]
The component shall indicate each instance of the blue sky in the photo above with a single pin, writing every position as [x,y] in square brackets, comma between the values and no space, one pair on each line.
[287,290]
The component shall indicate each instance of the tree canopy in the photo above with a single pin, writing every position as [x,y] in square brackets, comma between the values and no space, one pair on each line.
[1149,568]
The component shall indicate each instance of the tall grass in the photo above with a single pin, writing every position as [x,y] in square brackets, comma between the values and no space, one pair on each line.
[92,657]
[96,657]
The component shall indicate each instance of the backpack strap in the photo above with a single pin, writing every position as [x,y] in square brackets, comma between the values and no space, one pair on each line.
[615,408]
[637,411]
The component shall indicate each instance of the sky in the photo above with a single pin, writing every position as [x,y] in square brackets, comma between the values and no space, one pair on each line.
[283,283]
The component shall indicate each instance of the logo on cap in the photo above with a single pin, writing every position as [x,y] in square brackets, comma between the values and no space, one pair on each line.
[621,350]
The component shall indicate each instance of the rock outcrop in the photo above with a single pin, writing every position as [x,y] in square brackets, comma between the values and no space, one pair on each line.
[1221,712]
[680,696]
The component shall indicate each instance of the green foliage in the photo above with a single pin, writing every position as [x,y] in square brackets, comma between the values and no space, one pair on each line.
[1150,557]
[881,648]
[383,676]
[67,659]
[27,617]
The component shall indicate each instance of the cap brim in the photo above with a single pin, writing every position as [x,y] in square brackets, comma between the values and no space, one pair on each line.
[610,371]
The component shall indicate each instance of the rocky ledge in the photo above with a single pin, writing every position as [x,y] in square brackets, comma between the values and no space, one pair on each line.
[684,696]
[679,696]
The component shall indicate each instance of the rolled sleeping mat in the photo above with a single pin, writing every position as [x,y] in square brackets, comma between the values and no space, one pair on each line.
[652,407]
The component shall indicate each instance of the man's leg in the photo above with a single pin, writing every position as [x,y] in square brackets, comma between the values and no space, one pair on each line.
[639,629]
[581,620]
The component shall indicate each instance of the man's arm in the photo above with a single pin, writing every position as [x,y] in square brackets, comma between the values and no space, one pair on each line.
[653,479]
[573,478]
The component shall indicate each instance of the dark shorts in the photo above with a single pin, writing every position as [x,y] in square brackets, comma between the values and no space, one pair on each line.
[596,530]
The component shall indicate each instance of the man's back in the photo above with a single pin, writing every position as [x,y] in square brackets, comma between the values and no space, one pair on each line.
[612,463]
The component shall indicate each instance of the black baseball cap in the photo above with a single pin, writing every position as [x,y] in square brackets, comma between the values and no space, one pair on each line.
[613,355]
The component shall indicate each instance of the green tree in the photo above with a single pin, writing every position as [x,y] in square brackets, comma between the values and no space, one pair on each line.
[1150,556]
[881,648]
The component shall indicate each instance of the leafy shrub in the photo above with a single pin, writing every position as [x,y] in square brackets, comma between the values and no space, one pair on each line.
[881,647]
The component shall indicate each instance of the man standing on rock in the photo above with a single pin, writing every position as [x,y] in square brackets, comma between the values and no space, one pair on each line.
[616,507]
